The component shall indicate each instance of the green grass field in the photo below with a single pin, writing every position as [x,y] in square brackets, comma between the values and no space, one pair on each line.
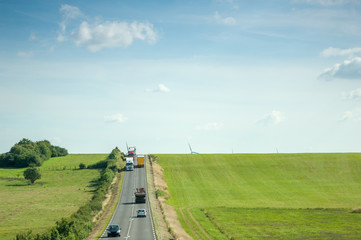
[272,196]
[59,193]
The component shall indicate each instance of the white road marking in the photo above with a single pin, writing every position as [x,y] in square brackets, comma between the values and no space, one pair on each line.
[130,226]
[131,215]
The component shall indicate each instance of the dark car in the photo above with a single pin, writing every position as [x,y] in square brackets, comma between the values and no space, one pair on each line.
[113,230]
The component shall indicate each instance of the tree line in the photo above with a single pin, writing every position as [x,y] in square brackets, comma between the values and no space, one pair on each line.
[27,153]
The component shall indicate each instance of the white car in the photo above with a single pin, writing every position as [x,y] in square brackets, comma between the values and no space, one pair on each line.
[141,213]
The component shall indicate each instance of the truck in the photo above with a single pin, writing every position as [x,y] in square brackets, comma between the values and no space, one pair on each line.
[140,161]
[129,165]
[140,195]
[132,151]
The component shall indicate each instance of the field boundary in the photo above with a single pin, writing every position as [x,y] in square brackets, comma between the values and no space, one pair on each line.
[215,224]
[198,225]
[188,224]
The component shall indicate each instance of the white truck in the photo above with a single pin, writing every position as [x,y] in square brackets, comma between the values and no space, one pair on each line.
[129,165]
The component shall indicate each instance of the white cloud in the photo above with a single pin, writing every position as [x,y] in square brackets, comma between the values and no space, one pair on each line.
[211,126]
[225,21]
[331,51]
[25,54]
[70,12]
[354,115]
[96,35]
[353,95]
[112,34]
[160,88]
[349,69]
[275,117]
[118,118]
[163,88]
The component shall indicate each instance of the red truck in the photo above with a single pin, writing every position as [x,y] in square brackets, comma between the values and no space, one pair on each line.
[140,195]
[132,151]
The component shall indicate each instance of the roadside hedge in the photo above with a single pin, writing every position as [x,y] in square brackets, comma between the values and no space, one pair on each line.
[80,224]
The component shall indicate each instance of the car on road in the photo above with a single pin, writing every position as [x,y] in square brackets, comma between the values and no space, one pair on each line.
[141,213]
[113,230]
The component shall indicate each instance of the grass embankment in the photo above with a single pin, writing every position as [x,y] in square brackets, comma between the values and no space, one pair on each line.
[61,190]
[273,196]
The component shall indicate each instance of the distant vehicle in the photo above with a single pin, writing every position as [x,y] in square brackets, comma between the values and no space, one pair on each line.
[140,195]
[132,151]
[129,165]
[141,213]
[140,160]
[113,230]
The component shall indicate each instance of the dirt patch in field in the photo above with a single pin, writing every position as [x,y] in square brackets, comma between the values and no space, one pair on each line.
[169,214]
[356,210]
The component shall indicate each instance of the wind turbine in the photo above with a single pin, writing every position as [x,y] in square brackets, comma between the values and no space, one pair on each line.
[190,148]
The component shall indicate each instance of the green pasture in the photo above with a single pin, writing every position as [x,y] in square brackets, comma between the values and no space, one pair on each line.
[62,189]
[272,196]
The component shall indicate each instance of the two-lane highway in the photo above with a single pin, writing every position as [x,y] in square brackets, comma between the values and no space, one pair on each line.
[126,213]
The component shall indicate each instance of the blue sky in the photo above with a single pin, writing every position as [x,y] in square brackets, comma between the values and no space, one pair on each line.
[224,75]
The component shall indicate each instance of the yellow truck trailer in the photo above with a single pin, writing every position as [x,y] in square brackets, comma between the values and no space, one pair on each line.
[140,160]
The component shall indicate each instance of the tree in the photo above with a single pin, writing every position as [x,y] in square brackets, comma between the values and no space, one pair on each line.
[58,151]
[25,141]
[44,148]
[82,166]
[26,153]
[32,174]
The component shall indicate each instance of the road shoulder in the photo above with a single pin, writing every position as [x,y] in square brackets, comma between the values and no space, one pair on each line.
[167,225]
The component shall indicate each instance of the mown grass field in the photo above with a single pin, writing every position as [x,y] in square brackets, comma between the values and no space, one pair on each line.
[272,196]
[62,189]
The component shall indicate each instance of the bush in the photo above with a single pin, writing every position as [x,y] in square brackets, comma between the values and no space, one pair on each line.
[24,236]
[160,193]
[32,174]
[102,164]
[82,166]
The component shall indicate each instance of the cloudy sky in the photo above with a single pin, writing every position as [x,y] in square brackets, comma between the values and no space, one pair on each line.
[224,75]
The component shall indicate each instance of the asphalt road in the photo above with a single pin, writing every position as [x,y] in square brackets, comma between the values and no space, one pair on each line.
[126,213]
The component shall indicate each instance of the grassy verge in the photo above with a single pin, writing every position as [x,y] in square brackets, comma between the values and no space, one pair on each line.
[301,188]
[109,209]
[59,193]
[154,195]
